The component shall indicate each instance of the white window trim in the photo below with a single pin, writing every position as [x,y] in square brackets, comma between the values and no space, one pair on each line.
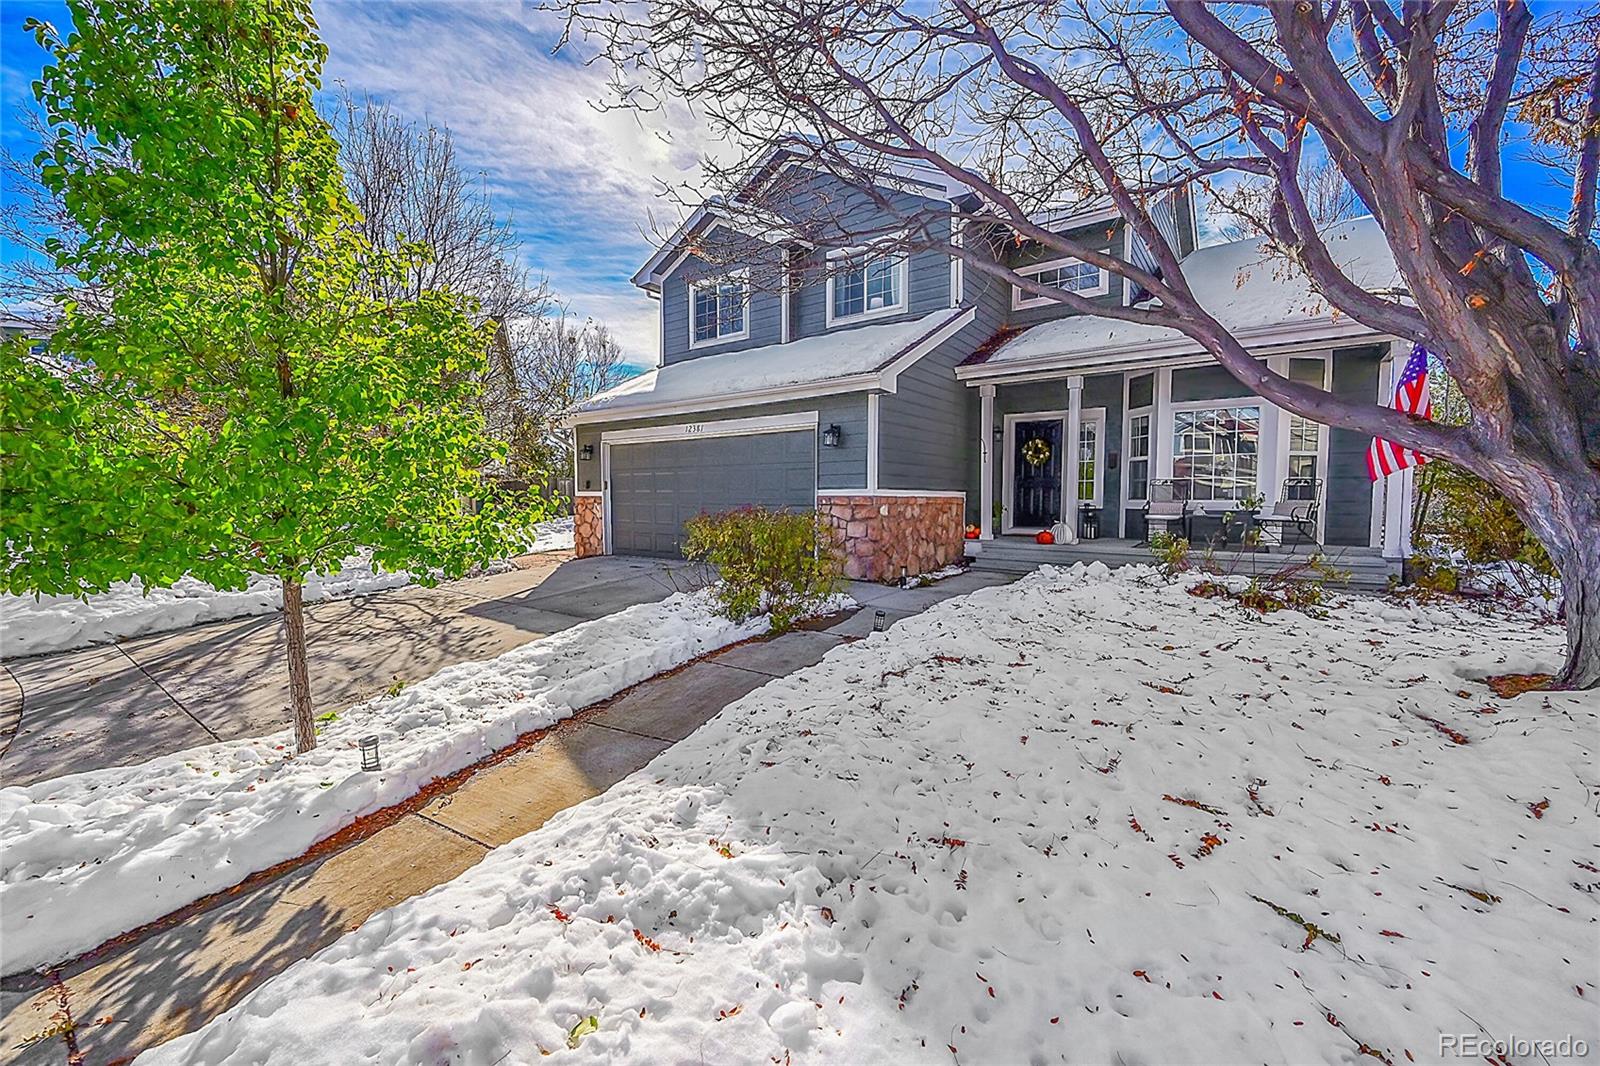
[741,276]
[1020,301]
[902,287]
[1170,425]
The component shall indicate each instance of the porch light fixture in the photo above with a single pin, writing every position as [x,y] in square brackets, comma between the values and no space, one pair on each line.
[586,452]
[880,621]
[832,435]
[369,753]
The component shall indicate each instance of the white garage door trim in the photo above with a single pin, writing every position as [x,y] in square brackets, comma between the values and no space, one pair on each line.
[727,427]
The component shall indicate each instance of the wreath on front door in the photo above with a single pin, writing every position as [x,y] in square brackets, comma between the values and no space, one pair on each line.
[1036,451]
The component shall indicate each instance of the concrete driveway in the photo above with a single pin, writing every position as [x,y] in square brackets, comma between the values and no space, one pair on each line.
[118,704]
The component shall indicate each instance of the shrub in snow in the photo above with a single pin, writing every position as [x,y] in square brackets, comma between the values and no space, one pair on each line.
[1469,539]
[786,564]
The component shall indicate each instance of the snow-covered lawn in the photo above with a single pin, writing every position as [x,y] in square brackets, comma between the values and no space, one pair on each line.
[1085,818]
[86,857]
[35,625]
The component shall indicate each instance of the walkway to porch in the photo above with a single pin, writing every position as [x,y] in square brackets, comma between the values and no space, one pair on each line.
[1020,554]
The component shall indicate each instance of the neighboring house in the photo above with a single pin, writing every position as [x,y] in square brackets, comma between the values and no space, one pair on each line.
[12,328]
[898,393]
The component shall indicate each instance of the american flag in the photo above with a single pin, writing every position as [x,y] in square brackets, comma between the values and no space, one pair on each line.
[1410,397]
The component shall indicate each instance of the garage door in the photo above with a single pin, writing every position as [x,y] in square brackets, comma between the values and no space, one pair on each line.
[657,486]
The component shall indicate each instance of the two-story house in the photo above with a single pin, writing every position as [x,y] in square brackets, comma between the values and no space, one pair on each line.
[909,397]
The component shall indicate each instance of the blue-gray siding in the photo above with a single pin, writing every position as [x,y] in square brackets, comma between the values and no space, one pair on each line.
[1103,237]
[927,429]
[764,310]
[1349,490]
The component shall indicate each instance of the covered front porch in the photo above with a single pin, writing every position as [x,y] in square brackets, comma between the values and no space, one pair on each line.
[1114,448]
[1017,554]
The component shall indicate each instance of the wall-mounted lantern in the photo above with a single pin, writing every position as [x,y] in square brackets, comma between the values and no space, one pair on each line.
[832,436]
[586,452]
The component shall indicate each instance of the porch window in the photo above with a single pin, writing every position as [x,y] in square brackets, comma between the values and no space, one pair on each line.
[1304,439]
[1069,275]
[1141,408]
[866,285]
[1305,436]
[1089,462]
[717,311]
[1216,450]
[1138,457]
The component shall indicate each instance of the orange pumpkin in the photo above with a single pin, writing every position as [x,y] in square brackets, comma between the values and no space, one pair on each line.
[1044,536]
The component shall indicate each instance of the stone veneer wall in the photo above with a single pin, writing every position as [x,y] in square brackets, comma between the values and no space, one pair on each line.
[588,525]
[883,533]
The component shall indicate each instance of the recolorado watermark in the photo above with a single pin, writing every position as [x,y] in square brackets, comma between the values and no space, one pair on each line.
[1482,1045]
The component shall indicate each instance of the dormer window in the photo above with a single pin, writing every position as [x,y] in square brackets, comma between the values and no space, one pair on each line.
[865,286]
[1068,275]
[719,310]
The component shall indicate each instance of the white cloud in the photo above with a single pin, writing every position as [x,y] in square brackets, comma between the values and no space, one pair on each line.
[580,182]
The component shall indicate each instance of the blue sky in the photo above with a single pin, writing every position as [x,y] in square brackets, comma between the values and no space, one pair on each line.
[581,186]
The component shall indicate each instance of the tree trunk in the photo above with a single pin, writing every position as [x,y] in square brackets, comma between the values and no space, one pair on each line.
[294,625]
[1580,590]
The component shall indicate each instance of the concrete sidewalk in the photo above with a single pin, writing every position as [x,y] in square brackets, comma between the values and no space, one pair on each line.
[119,704]
[170,981]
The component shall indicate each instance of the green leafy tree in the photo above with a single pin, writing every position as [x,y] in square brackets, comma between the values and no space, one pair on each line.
[243,398]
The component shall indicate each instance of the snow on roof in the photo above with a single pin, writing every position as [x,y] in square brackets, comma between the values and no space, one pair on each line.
[1250,291]
[808,361]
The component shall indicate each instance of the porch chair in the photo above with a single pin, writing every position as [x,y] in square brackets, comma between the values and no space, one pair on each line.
[1296,511]
[1168,503]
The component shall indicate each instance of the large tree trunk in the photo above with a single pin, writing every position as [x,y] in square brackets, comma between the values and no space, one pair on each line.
[1580,590]
[1560,504]
[294,626]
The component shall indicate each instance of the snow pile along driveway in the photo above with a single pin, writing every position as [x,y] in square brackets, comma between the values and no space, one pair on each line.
[86,857]
[36,625]
[1086,817]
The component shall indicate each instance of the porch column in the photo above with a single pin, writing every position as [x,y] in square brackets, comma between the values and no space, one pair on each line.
[985,462]
[1396,487]
[1272,448]
[1161,425]
[1380,488]
[1069,467]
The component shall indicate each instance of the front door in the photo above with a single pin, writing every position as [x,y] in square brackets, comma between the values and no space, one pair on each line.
[1036,473]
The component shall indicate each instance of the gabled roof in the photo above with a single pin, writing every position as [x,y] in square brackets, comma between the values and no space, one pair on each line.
[846,360]
[740,215]
[1260,298]
[741,218]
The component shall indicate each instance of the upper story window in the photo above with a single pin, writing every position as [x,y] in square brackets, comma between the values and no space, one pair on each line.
[719,310]
[1069,275]
[865,286]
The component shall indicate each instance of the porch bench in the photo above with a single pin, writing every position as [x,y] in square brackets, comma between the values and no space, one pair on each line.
[1166,510]
[1292,519]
